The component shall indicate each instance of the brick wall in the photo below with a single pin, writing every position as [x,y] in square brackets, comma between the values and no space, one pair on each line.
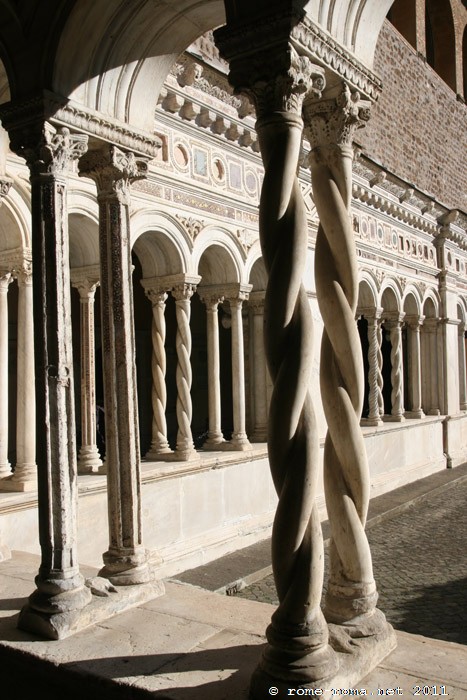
[418,128]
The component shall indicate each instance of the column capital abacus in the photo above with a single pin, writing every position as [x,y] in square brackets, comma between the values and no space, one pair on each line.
[372,314]
[48,151]
[23,273]
[184,287]
[393,319]
[237,292]
[86,288]
[212,295]
[431,324]
[256,302]
[113,170]
[5,279]
[414,321]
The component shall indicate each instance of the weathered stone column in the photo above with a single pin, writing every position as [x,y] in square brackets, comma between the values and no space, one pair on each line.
[55,606]
[276,78]
[89,460]
[182,293]
[212,297]
[25,476]
[159,443]
[431,330]
[462,368]
[415,368]
[260,412]
[351,595]
[375,378]
[113,171]
[236,297]
[394,326]
[5,467]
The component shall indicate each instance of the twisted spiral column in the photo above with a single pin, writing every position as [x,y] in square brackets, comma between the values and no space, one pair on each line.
[297,653]
[375,378]
[351,595]
[379,333]
[182,293]
[159,443]
[5,467]
[397,373]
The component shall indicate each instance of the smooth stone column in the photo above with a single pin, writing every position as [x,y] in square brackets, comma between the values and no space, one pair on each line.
[375,379]
[5,467]
[159,444]
[182,293]
[415,368]
[89,459]
[55,607]
[113,170]
[462,369]
[25,474]
[431,326]
[260,399]
[394,327]
[239,440]
[212,298]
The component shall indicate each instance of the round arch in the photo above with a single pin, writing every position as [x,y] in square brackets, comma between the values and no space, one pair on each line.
[218,240]
[15,216]
[367,292]
[256,270]
[411,302]
[391,297]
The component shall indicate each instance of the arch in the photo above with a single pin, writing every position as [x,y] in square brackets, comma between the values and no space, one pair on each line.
[256,271]
[462,310]
[84,239]
[165,244]
[403,16]
[430,305]
[391,296]
[367,292]
[114,57]
[440,40]
[217,265]
[411,302]
[15,217]
[221,239]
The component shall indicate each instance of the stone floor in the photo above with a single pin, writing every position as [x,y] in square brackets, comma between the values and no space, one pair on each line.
[194,644]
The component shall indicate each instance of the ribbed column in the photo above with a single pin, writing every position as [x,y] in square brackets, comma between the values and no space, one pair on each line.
[212,297]
[182,293]
[375,378]
[462,369]
[260,400]
[89,460]
[60,595]
[236,297]
[431,330]
[351,595]
[113,171]
[159,444]
[394,328]
[5,467]
[415,368]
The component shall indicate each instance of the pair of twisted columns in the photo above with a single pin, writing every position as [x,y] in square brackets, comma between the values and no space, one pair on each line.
[24,477]
[393,325]
[375,365]
[298,653]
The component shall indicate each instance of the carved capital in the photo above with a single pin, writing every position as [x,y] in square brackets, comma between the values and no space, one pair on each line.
[86,288]
[330,124]
[5,279]
[23,273]
[5,184]
[113,171]
[157,297]
[48,151]
[211,296]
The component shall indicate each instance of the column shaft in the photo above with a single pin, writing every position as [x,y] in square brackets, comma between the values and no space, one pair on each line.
[260,424]
[5,467]
[215,440]
[397,371]
[462,369]
[415,374]
[125,562]
[375,377]
[239,439]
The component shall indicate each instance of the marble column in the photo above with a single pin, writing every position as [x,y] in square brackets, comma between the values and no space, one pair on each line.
[159,444]
[89,459]
[212,298]
[431,330]
[462,368]
[113,170]
[375,377]
[260,399]
[275,78]
[5,467]
[25,475]
[182,293]
[54,608]
[239,440]
[415,367]
[394,327]
[350,604]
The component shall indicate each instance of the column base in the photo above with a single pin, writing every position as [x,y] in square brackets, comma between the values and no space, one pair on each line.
[89,460]
[239,443]
[9,483]
[414,414]
[433,412]
[100,606]
[394,419]
[259,436]
[184,456]
[126,569]
[361,656]
[371,422]
[158,455]
[215,444]
[5,470]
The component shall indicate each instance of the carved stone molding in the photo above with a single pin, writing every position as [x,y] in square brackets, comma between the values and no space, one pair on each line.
[192,226]
[113,170]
